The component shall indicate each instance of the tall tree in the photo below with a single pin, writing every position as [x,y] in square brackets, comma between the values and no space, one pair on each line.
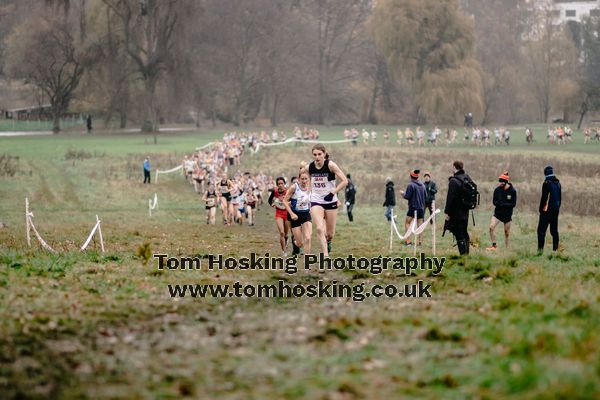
[590,81]
[43,51]
[148,37]
[551,61]
[339,28]
[429,44]
[499,29]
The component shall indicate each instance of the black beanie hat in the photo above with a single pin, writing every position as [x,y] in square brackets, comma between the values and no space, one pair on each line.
[548,171]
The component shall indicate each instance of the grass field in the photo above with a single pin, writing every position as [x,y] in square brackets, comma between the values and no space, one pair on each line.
[102,325]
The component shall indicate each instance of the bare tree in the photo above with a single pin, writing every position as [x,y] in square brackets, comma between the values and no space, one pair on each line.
[148,37]
[551,60]
[499,29]
[339,25]
[43,51]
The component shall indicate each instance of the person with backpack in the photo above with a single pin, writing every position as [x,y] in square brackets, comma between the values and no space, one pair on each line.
[505,200]
[550,203]
[350,195]
[461,198]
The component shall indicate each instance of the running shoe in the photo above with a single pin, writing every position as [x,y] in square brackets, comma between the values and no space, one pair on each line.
[296,249]
[492,248]
[328,247]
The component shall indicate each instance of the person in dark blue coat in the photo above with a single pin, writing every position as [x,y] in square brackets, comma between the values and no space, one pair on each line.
[415,194]
[550,203]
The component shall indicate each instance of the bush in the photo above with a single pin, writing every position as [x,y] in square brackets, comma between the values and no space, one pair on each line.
[9,165]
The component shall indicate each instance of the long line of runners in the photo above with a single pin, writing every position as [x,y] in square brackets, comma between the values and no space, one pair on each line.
[477,136]
[311,196]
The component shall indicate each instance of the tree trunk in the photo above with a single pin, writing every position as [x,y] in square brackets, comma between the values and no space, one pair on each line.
[55,121]
[198,111]
[108,116]
[236,112]
[150,124]
[274,113]
[372,118]
[582,112]
[321,115]
[486,112]
[123,119]
[124,106]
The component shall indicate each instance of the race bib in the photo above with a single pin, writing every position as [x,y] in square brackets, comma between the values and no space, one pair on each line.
[279,204]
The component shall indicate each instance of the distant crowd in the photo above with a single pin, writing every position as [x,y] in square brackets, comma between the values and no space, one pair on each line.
[476,136]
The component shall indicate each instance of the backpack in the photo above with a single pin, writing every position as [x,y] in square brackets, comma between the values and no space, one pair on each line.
[469,197]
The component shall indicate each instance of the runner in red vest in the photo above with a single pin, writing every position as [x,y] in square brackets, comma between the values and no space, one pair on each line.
[281,216]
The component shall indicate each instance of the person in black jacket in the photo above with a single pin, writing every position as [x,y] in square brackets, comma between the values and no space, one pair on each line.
[457,215]
[549,209]
[505,200]
[390,198]
[350,195]
[430,191]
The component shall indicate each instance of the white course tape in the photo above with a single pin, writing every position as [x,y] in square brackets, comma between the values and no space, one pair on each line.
[325,141]
[409,231]
[90,237]
[31,227]
[28,229]
[96,227]
[152,205]
[412,229]
[167,171]
[290,140]
[42,241]
[206,145]
[421,228]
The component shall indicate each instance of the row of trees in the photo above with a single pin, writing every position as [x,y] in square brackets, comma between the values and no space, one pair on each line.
[311,61]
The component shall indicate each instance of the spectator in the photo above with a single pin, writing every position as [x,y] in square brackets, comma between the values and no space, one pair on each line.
[390,198]
[550,203]
[350,194]
[430,191]
[505,200]
[147,170]
[457,215]
[415,194]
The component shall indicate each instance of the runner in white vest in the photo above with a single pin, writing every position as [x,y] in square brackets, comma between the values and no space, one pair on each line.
[297,203]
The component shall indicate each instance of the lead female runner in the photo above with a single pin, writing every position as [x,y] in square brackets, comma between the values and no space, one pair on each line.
[323,196]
